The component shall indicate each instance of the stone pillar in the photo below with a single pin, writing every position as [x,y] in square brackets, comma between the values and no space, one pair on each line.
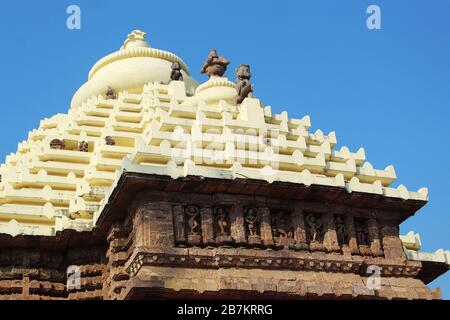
[330,240]
[179,225]
[154,225]
[351,233]
[374,237]
[392,245]
[266,227]
[298,224]
[237,225]
[207,226]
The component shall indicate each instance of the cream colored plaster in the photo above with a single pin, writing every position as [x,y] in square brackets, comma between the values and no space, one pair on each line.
[165,129]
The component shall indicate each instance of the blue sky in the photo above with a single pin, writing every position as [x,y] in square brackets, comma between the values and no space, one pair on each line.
[385,90]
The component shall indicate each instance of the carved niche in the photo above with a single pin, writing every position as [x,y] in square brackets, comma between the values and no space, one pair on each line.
[315,227]
[57,144]
[252,224]
[222,226]
[282,229]
[341,231]
[193,225]
[342,234]
[83,146]
[374,237]
[362,236]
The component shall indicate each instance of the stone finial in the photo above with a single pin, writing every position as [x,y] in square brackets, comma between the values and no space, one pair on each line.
[243,85]
[215,65]
[111,94]
[136,38]
[176,74]
[57,144]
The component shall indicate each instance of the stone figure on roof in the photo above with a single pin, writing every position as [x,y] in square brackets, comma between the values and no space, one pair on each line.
[243,85]
[176,74]
[111,94]
[214,65]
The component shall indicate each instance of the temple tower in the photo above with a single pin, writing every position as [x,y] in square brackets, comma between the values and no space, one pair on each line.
[155,186]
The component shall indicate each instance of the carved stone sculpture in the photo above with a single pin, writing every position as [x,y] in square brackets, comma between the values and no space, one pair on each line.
[314,226]
[110,141]
[215,65]
[340,231]
[222,226]
[252,219]
[282,230]
[57,144]
[84,146]
[193,214]
[110,94]
[361,234]
[280,227]
[221,221]
[176,74]
[362,237]
[243,85]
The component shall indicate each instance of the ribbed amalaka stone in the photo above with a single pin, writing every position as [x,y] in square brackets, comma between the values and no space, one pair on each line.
[207,226]
[237,224]
[330,239]
[266,227]
[392,245]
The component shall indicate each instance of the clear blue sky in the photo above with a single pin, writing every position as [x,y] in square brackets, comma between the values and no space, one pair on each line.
[386,90]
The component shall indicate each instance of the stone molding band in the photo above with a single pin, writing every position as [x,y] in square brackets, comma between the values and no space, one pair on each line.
[135,53]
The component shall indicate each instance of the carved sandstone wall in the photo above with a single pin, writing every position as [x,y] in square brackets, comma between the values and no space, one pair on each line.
[212,246]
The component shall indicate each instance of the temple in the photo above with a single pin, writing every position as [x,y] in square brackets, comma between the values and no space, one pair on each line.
[154,186]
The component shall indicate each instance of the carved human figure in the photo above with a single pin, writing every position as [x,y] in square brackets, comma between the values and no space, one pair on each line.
[84,146]
[57,144]
[110,94]
[281,228]
[243,85]
[341,231]
[192,212]
[252,220]
[314,226]
[176,74]
[110,141]
[361,233]
[215,65]
[222,222]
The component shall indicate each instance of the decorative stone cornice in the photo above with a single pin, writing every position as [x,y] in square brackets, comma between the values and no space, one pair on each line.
[247,258]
